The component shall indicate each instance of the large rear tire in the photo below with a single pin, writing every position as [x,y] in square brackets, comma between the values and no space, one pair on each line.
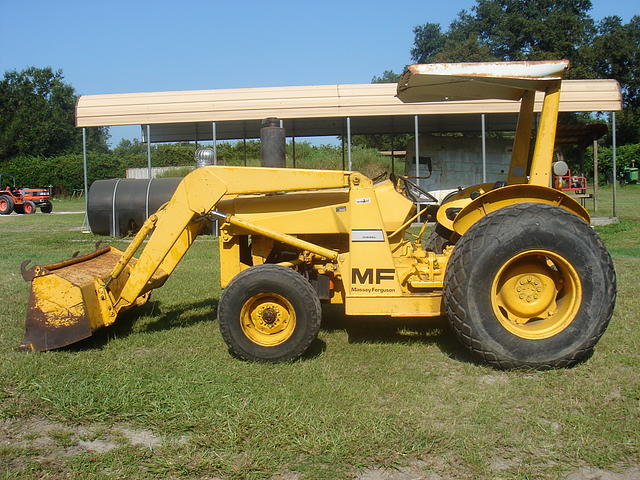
[6,204]
[269,313]
[530,286]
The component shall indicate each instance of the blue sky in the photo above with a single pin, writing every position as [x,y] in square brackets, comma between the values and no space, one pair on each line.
[135,46]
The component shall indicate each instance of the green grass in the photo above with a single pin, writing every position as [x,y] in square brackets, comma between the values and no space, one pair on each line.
[370,393]
[68,204]
[622,239]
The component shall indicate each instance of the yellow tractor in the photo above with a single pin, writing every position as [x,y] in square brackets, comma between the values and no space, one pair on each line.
[523,279]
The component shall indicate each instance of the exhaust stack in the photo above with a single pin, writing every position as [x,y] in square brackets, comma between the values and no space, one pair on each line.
[272,143]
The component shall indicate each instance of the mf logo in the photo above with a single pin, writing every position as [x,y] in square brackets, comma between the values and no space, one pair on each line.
[369,274]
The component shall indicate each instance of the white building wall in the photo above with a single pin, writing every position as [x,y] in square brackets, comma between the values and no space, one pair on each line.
[142,173]
[457,162]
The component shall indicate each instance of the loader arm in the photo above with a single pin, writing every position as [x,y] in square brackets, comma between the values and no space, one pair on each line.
[199,192]
[71,299]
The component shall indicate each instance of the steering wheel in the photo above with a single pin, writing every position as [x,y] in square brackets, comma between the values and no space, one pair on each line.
[412,191]
[377,178]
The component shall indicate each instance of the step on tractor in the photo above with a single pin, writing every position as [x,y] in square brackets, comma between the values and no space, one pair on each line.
[22,200]
[524,280]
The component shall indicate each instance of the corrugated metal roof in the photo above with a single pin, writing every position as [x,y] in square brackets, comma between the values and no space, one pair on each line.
[308,110]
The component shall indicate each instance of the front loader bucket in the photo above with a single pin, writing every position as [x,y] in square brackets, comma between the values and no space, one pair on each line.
[64,305]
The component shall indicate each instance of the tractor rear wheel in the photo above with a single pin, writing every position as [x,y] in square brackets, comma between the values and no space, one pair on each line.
[6,205]
[269,313]
[29,207]
[530,286]
[46,207]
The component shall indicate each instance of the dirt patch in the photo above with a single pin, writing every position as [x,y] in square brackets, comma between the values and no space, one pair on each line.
[495,379]
[98,446]
[288,476]
[49,442]
[143,438]
[416,470]
[34,432]
[632,473]
[499,464]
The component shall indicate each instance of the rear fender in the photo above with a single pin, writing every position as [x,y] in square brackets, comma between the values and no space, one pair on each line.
[513,194]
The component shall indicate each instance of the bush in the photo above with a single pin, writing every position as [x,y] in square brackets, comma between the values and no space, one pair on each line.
[626,156]
[64,172]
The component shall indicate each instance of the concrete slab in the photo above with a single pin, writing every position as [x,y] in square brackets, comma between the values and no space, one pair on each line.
[600,221]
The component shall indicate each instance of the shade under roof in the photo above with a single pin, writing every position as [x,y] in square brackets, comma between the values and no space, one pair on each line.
[317,110]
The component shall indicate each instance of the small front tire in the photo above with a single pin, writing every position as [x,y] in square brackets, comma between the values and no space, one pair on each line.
[269,313]
[46,207]
[438,239]
[29,207]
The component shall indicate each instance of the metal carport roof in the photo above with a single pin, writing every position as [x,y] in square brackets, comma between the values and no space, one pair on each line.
[317,110]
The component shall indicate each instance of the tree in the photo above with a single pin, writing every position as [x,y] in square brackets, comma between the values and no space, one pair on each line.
[512,30]
[388,76]
[615,53]
[37,115]
[509,30]
[428,41]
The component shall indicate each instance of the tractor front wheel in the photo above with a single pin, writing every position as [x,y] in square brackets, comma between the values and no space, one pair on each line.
[29,207]
[438,239]
[269,313]
[6,205]
[530,286]
[46,207]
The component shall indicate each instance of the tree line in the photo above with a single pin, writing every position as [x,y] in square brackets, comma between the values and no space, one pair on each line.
[516,30]
[41,145]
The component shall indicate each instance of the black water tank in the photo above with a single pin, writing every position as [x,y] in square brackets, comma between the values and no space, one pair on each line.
[119,206]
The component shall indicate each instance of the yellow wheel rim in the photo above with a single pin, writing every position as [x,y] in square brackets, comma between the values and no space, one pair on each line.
[268,319]
[536,294]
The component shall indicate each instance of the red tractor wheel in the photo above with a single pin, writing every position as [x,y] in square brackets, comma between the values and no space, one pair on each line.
[6,205]
[29,207]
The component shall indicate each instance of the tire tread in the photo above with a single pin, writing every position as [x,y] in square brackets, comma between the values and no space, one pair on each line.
[477,239]
[312,303]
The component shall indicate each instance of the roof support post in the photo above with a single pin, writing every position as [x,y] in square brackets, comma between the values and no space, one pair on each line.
[417,135]
[293,142]
[293,149]
[595,174]
[244,141]
[84,168]
[349,143]
[84,171]
[614,159]
[343,151]
[484,150]
[244,144]
[215,143]
[149,151]
[393,153]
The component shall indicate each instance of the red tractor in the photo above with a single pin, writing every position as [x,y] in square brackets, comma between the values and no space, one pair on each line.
[22,199]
